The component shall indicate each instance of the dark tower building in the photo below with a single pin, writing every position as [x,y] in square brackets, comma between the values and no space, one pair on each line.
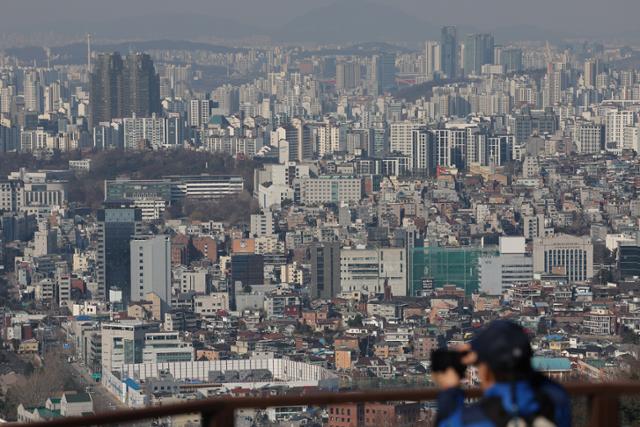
[449,51]
[106,91]
[118,222]
[325,270]
[247,269]
[386,71]
[123,88]
[141,86]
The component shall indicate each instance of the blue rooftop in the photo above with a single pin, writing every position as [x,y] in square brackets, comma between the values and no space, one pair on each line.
[555,337]
[131,383]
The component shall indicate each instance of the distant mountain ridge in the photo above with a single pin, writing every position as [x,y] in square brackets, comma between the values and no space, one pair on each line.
[354,21]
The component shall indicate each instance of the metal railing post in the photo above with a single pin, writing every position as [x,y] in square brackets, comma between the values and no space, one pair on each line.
[605,410]
[217,416]
[225,418]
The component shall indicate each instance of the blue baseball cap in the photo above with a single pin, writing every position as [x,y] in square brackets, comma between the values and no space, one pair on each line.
[504,346]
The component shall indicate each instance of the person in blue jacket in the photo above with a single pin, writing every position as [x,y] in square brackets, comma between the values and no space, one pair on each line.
[513,393]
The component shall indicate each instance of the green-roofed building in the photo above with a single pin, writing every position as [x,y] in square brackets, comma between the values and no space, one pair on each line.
[557,368]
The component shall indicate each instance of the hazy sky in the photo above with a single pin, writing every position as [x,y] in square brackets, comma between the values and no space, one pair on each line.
[575,17]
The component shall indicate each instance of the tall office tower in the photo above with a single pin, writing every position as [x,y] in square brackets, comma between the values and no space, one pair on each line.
[325,270]
[423,159]
[478,51]
[141,86]
[449,51]
[628,261]
[432,57]
[378,141]
[347,75]
[150,268]
[511,59]
[32,92]
[123,88]
[9,138]
[589,73]
[565,255]
[118,222]
[106,91]
[174,130]
[386,71]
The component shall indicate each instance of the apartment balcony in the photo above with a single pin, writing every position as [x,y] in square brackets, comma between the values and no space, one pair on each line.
[601,406]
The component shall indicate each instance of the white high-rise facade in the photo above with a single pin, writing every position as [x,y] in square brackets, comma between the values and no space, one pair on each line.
[151,267]
[432,57]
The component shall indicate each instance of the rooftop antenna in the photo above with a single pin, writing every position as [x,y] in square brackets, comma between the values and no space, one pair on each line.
[89,53]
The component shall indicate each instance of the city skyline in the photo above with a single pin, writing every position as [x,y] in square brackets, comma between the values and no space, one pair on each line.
[314,197]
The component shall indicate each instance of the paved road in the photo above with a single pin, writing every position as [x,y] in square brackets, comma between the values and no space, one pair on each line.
[103,401]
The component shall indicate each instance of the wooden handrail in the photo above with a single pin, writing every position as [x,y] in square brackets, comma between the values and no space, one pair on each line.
[211,408]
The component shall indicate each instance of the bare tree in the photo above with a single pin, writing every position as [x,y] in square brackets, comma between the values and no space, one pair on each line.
[52,378]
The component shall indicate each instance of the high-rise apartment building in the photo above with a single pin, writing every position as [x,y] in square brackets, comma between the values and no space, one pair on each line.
[347,75]
[432,57]
[200,111]
[401,137]
[423,153]
[32,92]
[615,122]
[590,73]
